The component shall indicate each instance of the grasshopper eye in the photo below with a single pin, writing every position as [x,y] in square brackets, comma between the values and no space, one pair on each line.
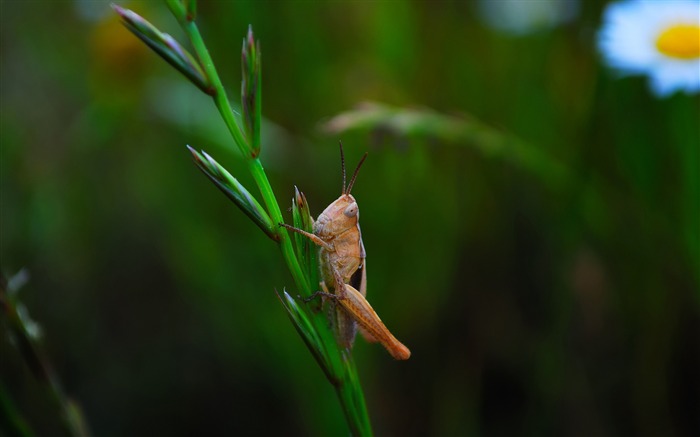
[351,210]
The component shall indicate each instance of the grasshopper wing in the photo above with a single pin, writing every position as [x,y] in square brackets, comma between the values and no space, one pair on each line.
[359,282]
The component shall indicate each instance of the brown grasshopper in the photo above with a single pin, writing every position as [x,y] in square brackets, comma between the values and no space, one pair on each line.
[343,266]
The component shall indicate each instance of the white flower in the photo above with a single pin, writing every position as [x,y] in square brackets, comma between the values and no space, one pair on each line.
[657,38]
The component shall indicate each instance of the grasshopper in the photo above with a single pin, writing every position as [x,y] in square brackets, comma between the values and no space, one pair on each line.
[343,267]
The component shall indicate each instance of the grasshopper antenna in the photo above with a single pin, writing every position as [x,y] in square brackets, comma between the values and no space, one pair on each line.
[342,163]
[354,175]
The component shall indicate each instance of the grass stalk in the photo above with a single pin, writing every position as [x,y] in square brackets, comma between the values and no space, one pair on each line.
[335,361]
[16,323]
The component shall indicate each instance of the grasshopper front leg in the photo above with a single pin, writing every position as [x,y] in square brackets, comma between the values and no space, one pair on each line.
[316,239]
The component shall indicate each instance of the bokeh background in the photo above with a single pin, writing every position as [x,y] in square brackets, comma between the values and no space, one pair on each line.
[533,303]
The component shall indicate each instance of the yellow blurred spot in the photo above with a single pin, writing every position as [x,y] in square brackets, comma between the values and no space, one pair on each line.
[680,41]
[115,49]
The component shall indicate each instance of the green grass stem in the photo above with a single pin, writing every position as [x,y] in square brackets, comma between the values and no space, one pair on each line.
[336,362]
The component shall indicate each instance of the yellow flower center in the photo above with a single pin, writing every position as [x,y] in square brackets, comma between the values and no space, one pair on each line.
[680,41]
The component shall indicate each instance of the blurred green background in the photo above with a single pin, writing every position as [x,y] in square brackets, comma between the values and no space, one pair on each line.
[532,304]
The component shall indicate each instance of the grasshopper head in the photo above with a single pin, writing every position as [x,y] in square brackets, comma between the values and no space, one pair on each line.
[339,216]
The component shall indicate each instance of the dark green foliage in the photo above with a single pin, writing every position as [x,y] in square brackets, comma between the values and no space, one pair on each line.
[531,307]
